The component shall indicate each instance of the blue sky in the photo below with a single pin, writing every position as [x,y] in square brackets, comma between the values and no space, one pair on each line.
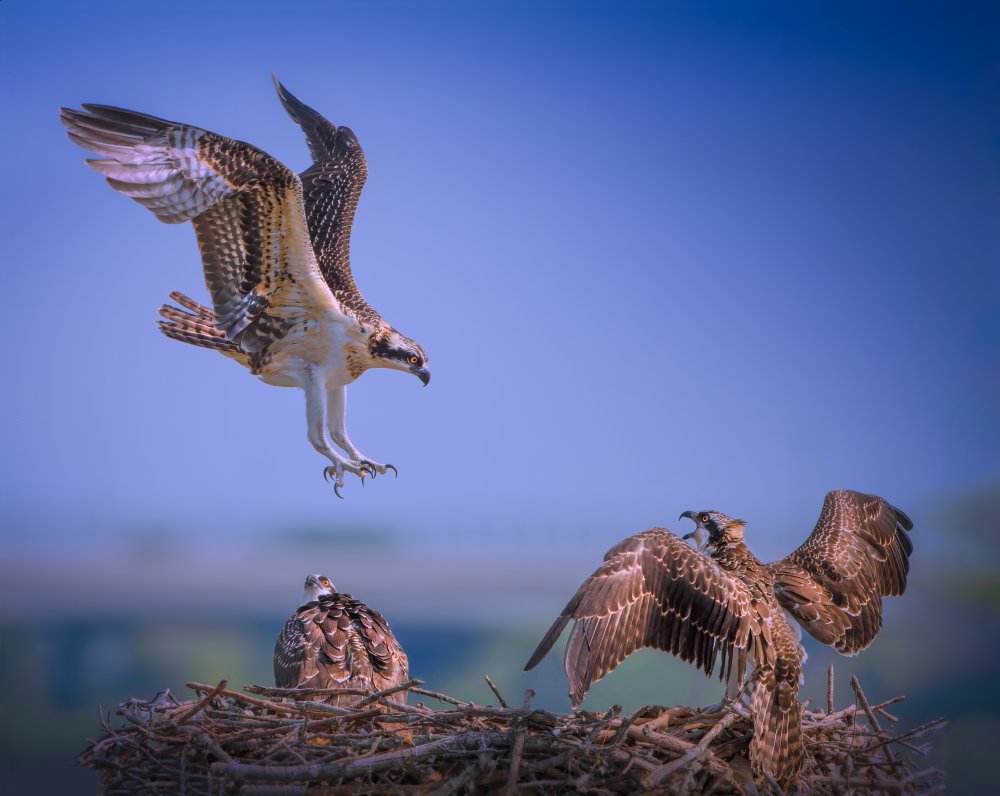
[662,257]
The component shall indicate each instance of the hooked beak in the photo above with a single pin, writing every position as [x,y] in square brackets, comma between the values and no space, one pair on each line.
[690,516]
[422,373]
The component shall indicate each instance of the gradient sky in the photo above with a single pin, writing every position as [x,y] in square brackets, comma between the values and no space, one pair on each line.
[662,257]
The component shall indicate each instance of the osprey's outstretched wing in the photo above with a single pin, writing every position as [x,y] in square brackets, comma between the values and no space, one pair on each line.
[246,208]
[338,641]
[833,584]
[655,590]
[332,187]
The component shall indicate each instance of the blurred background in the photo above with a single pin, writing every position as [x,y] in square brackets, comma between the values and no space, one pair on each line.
[663,256]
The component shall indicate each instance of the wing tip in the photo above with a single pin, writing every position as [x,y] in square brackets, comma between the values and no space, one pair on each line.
[548,640]
[902,519]
[280,88]
[293,105]
[536,657]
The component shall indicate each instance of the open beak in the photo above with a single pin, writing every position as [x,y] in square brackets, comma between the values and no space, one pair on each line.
[423,374]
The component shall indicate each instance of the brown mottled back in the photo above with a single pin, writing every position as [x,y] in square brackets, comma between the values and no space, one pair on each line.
[338,641]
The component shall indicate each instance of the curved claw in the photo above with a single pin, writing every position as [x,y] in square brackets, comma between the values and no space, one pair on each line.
[326,474]
[395,472]
[336,491]
[369,468]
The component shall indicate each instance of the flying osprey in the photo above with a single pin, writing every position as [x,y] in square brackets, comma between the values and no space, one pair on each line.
[275,251]
[335,641]
[655,590]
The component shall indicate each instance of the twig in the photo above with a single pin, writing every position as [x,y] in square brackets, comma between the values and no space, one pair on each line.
[390,691]
[888,702]
[276,707]
[626,722]
[213,745]
[496,691]
[916,732]
[517,748]
[200,704]
[863,701]
[439,696]
[603,722]
[829,689]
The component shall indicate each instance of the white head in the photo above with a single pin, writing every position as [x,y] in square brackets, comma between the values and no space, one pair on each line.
[317,585]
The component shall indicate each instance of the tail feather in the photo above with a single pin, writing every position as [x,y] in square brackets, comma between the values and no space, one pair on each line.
[195,324]
[776,746]
[190,304]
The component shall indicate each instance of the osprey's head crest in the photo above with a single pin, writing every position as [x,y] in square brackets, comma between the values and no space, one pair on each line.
[391,349]
[318,585]
[719,528]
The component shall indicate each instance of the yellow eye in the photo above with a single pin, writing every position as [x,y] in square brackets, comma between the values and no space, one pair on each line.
[326,582]
[704,518]
[414,360]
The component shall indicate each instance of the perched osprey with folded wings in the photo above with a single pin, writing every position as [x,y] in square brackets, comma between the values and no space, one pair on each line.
[655,590]
[336,641]
[275,250]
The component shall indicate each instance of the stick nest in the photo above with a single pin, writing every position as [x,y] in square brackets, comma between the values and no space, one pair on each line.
[283,741]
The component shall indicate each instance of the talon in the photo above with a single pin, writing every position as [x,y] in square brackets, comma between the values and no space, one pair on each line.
[395,472]
[326,474]
[336,491]
[368,467]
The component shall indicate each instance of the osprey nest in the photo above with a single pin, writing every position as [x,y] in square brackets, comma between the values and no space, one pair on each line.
[284,741]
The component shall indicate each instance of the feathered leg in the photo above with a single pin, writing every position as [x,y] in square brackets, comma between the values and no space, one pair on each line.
[337,403]
[316,420]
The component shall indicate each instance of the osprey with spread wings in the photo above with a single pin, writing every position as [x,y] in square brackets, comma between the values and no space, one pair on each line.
[655,590]
[275,247]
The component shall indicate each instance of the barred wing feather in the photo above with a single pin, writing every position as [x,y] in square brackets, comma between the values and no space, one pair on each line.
[833,584]
[655,590]
[246,208]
